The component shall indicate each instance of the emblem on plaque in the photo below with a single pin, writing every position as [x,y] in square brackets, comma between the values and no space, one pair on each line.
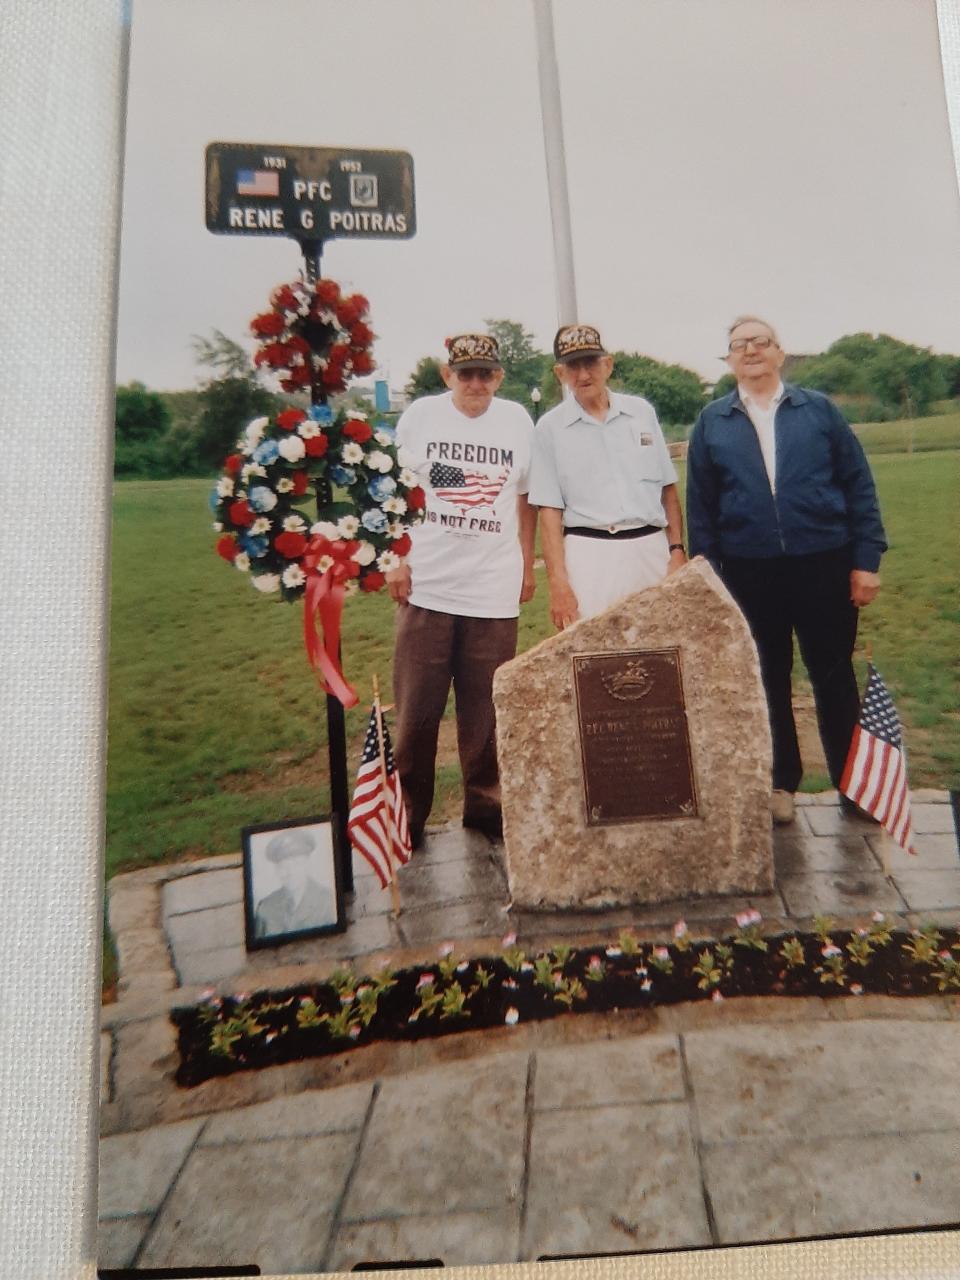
[631,683]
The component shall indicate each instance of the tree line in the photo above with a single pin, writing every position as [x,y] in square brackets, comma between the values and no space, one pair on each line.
[188,433]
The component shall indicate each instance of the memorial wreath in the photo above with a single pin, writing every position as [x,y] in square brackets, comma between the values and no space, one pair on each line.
[366,500]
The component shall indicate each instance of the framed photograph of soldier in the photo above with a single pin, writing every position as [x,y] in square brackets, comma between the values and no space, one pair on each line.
[291,882]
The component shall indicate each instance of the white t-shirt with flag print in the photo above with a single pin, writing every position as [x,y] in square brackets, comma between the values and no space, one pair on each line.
[466,557]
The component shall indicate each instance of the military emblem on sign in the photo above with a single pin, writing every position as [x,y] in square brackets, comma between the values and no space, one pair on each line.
[630,683]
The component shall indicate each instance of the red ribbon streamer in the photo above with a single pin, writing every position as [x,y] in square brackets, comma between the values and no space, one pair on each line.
[324,597]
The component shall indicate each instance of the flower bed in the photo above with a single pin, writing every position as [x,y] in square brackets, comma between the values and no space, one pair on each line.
[240,1033]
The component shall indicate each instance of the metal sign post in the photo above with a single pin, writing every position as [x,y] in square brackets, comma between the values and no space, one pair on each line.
[313,194]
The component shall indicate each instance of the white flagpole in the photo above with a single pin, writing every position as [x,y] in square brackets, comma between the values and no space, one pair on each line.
[388,812]
[552,114]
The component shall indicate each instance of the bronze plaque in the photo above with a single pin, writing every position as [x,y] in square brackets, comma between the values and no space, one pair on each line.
[634,744]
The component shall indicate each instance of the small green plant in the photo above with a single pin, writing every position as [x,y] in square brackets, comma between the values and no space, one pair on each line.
[880,930]
[792,953]
[569,990]
[681,936]
[309,1015]
[368,997]
[708,970]
[748,931]
[725,957]
[447,963]
[628,942]
[561,954]
[860,948]
[834,969]
[545,974]
[513,956]
[923,944]
[343,981]
[483,977]
[661,959]
[342,1025]
[821,927]
[454,1002]
[948,972]
[596,970]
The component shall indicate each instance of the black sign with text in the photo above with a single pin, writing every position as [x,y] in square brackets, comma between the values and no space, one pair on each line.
[309,193]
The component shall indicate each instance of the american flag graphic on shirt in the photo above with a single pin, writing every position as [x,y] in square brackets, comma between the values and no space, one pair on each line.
[875,775]
[465,488]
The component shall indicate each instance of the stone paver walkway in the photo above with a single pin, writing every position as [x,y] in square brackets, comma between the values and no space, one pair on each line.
[689,1125]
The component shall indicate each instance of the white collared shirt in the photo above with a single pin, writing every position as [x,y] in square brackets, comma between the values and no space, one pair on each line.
[763,419]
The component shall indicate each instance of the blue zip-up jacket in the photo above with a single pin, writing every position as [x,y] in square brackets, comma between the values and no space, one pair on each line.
[825,496]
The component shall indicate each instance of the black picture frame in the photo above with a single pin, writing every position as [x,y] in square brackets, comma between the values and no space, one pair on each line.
[301,845]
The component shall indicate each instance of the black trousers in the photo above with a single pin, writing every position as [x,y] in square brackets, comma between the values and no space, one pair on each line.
[809,595]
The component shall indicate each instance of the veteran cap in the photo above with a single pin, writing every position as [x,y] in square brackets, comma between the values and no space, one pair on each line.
[473,351]
[290,844]
[575,341]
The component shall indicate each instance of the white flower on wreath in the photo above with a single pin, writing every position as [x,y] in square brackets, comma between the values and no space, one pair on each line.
[395,529]
[324,563]
[294,524]
[254,432]
[396,506]
[324,529]
[293,576]
[241,561]
[381,437]
[388,560]
[308,429]
[217,526]
[252,469]
[378,461]
[224,487]
[406,457]
[266,582]
[408,478]
[347,527]
[260,525]
[352,453]
[284,484]
[366,553]
[292,448]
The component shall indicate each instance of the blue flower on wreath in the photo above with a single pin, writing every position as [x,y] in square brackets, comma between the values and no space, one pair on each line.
[266,452]
[343,476]
[374,521]
[262,499]
[320,413]
[254,544]
[381,487]
[214,500]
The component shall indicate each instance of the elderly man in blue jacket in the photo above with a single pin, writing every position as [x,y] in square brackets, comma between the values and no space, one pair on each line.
[781,501]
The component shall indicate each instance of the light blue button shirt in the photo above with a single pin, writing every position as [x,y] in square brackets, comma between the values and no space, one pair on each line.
[602,474]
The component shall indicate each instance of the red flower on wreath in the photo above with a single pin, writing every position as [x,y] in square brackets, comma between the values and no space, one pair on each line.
[227,547]
[284,297]
[358,430]
[416,499]
[328,292]
[290,544]
[241,514]
[373,581]
[301,482]
[316,446]
[352,309]
[268,325]
[290,418]
[233,463]
[362,362]
[401,546]
[361,335]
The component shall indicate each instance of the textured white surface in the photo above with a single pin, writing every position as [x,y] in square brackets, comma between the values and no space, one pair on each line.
[61,94]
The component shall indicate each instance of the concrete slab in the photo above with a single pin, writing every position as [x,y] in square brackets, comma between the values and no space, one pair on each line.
[777,1190]
[827,1080]
[474,918]
[268,1203]
[640,1069]
[137,1169]
[134,906]
[305,1115]
[926,890]
[205,889]
[837,894]
[709,908]
[933,819]
[118,1240]
[208,930]
[451,1136]
[934,853]
[613,1179]
[456,1239]
[207,967]
[433,884]
[798,854]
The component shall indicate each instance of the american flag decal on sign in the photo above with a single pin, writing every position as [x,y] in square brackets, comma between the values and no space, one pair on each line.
[381,841]
[465,488]
[257,182]
[875,775]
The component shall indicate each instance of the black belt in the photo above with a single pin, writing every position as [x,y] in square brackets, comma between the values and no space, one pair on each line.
[582,531]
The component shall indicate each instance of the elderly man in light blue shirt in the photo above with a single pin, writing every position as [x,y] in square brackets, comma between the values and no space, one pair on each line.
[601,474]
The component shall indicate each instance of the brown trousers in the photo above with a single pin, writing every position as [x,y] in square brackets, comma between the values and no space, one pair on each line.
[432,649]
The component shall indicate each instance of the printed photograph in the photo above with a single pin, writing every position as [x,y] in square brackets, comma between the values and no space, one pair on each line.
[537,448]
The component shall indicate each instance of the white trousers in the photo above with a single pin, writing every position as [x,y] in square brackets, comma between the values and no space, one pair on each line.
[603,570]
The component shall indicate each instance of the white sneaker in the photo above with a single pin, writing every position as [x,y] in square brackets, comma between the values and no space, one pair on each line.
[782,808]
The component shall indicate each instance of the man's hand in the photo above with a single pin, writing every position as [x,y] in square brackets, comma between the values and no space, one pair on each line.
[564,606]
[399,583]
[677,560]
[529,585]
[863,586]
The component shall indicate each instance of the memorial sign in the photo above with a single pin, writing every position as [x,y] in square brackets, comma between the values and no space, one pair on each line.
[634,743]
[309,193]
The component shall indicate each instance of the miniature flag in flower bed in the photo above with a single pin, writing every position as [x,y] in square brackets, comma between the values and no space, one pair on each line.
[875,775]
[226,1034]
[377,825]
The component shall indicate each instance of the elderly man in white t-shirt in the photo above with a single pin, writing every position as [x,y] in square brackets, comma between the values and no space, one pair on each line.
[610,517]
[469,568]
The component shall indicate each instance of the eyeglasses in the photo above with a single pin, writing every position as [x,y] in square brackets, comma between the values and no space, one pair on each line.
[760,343]
[485,375]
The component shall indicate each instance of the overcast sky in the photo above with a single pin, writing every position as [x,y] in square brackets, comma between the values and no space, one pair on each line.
[723,156]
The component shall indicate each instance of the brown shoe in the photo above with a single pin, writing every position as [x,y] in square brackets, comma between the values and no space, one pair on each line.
[782,808]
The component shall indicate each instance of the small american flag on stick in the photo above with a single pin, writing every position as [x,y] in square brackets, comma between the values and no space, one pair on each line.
[465,488]
[875,775]
[377,824]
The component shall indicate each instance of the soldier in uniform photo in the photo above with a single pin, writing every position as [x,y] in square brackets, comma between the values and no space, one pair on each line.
[781,501]
[469,568]
[602,478]
[300,902]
